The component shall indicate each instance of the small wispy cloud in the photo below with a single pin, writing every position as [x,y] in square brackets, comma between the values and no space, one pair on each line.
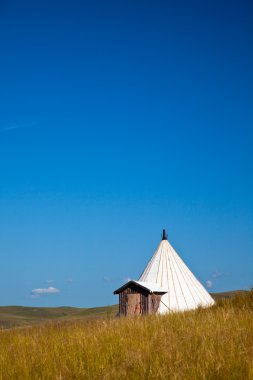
[214,277]
[12,127]
[69,280]
[35,293]
[50,281]
[107,279]
[9,128]
[217,274]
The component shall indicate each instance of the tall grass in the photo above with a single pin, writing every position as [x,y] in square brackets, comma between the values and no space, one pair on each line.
[214,343]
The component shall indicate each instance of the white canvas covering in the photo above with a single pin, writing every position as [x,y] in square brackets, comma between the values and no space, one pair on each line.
[152,287]
[184,291]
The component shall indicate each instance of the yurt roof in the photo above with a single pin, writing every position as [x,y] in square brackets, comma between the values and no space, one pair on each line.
[167,269]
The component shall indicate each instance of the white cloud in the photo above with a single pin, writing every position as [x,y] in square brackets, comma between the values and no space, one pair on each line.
[69,280]
[109,279]
[14,126]
[209,284]
[35,293]
[217,274]
[9,128]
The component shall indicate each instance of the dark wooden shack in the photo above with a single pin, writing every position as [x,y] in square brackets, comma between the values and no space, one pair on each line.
[139,298]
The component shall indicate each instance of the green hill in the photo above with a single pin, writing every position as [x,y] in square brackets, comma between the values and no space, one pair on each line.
[14,316]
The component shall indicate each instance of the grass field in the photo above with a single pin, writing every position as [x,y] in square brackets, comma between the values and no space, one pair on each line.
[214,343]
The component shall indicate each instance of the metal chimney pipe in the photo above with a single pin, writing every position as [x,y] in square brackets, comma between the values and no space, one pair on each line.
[164,235]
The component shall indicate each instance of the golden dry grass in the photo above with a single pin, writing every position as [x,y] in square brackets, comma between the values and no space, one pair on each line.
[215,343]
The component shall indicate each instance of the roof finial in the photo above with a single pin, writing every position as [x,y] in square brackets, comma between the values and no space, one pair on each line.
[164,235]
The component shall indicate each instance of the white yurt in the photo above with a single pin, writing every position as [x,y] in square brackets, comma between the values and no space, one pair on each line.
[166,285]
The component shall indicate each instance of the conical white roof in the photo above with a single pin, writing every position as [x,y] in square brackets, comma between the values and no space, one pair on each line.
[169,271]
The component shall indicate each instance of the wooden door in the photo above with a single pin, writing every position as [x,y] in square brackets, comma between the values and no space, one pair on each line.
[133,306]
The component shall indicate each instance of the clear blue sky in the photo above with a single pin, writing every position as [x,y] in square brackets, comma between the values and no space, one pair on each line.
[117,119]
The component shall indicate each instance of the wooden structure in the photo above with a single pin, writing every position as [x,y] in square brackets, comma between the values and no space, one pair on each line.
[136,298]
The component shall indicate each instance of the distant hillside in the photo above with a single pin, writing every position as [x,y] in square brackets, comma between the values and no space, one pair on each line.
[14,316]
[233,293]
[11,316]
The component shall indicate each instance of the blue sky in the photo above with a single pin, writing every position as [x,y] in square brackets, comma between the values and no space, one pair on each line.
[119,119]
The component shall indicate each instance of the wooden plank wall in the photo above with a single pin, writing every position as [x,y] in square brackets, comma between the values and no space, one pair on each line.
[133,290]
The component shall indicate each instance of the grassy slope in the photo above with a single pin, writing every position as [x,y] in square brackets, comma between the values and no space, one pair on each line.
[11,316]
[233,293]
[213,343]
